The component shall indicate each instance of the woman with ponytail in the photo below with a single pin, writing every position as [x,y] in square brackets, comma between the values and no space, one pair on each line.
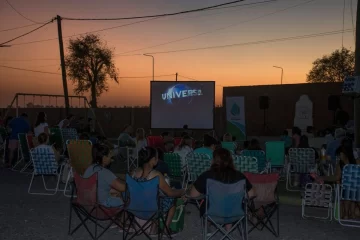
[223,170]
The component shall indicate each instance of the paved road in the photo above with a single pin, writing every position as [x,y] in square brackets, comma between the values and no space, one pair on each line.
[32,217]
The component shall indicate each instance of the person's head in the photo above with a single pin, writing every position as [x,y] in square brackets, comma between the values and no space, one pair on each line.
[222,163]
[186,141]
[185,127]
[183,134]
[246,144]
[70,117]
[164,134]
[296,131]
[169,144]
[43,138]
[209,142]
[102,155]
[84,136]
[227,137]
[285,133]
[254,144]
[310,129]
[140,134]
[41,118]
[304,142]
[24,115]
[148,157]
[127,129]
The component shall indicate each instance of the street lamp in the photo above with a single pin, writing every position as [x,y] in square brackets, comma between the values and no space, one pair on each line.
[148,55]
[282,73]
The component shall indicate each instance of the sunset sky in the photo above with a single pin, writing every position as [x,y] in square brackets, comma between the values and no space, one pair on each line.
[235,66]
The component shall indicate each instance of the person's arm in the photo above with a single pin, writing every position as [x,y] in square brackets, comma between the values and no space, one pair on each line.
[46,130]
[118,185]
[334,178]
[167,189]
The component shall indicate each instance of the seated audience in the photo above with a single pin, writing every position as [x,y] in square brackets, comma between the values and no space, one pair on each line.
[162,166]
[169,144]
[254,144]
[222,169]
[333,145]
[141,141]
[287,139]
[125,139]
[184,148]
[296,134]
[227,137]
[304,143]
[43,142]
[148,159]
[208,147]
[65,123]
[41,125]
[107,181]
[310,132]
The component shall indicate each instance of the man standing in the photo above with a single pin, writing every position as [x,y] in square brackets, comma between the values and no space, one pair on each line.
[17,125]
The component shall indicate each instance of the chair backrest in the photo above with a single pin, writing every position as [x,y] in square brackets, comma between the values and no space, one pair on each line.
[318,195]
[197,164]
[140,191]
[275,153]
[155,141]
[69,134]
[259,155]
[25,152]
[265,185]
[177,141]
[44,161]
[350,187]
[80,154]
[173,160]
[86,190]
[246,164]
[55,137]
[302,155]
[229,146]
[224,201]
[30,141]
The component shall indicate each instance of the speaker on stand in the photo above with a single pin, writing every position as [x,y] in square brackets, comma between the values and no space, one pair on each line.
[264,105]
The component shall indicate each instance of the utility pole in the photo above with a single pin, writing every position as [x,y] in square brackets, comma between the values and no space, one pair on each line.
[62,59]
[176,76]
[357,73]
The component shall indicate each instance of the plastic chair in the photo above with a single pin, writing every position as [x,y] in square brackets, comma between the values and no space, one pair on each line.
[246,164]
[138,211]
[275,154]
[301,161]
[86,207]
[225,205]
[348,190]
[261,159]
[317,196]
[231,146]
[266,203]
[173,160]
[155,142]
[197,163]
[44,163]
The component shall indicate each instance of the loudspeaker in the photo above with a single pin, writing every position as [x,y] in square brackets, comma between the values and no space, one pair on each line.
[333,102]
[263,102]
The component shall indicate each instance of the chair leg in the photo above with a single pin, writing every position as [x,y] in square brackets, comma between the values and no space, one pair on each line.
[70,218]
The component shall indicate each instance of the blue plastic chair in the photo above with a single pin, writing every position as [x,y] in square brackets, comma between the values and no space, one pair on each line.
[225,204]
[349,190]
[259,155]
[137,192]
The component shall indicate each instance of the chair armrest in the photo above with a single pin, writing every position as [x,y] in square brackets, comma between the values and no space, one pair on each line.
[201,197]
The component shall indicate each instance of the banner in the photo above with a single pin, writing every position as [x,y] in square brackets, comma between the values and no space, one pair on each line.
[235,117]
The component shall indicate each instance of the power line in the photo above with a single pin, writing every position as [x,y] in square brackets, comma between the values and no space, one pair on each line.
[133,23]
[187,77]
[252,43]
[352,18]
[152,16]
[29,70]
[27,32]
[15,28]
[218,29]
[28,60]
[20,13]
[168,75]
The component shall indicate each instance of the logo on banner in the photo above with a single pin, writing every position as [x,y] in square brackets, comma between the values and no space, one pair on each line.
[180,93]
[235,110]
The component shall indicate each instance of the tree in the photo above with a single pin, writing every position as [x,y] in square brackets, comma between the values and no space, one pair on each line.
[332,68]
[90,64]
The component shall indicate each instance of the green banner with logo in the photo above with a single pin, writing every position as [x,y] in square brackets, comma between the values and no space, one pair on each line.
[235,117]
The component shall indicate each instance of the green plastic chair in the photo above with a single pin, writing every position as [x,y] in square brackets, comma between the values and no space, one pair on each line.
[275,153]
[173,160]
[259,155]
[229,146]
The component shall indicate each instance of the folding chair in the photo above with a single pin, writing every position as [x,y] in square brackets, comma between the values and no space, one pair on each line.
[348,190]
[45,165]
[225,204]
[317,196]
[87,208]
[301,161]
[263,166]
[24,153]
[231,146]
[68,134]
[275,154]
[80,155]
[246,164]
[173,160]
[4,136]
[196,163]
[266,203]
[138,212]
[155,141]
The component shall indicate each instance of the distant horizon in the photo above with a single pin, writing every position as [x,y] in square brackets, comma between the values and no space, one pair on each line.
[243,65]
